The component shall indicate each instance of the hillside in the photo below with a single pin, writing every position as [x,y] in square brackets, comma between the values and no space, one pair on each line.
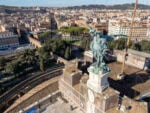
[121,7]
[117,7]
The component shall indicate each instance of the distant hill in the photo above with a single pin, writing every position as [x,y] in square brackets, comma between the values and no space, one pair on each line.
[7,9]
[119,7]
[14,9]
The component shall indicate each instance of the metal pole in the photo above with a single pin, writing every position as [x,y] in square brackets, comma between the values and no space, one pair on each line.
[129,38]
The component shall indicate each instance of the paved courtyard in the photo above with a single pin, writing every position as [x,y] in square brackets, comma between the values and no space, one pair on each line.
[61,107]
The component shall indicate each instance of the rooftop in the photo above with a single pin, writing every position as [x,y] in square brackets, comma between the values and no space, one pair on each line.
[136,81]
[62,107]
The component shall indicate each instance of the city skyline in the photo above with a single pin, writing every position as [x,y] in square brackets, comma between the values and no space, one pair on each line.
[64,3]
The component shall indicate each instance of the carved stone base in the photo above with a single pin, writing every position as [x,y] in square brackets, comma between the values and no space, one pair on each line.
[90,107]
[97,82]
[90,103]
[100,101]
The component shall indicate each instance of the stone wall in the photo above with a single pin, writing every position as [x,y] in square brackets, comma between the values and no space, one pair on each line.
[69,85]
[69,92]
[88,56]
[35,42]
[35,97]
[136,59]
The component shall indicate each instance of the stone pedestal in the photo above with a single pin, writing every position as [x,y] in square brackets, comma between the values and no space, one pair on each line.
[96,85]
[90,103]
[90,107]
[97,82]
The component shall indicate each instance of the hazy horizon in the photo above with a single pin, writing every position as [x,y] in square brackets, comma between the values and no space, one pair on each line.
[66,3]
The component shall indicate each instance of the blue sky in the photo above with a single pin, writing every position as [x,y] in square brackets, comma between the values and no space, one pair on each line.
[59,3]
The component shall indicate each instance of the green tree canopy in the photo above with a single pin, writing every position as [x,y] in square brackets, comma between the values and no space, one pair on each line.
[68,53]
[56,45]
[27,56]
[145,46]
[43,56]
[45,34]
[136,46]
[48,34]
[119,44]
[85,43]
[13,67]
[42,64]
[43,53]
[74,30]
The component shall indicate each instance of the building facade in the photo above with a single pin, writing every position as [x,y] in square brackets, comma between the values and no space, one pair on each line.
[120,29]
[102,27]
[8,40]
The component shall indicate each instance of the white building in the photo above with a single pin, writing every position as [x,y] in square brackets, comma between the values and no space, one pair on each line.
[8,40]
[120,29]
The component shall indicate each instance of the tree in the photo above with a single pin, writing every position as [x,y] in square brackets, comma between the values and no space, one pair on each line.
[67,53]
[48,34]
[110,45]
[145,46]
[43,55]
[56,45]
[136,46]
[41,64]
[27,56]
[119,44]
[85,43]
[2,62]
[13,67]
[74,30]
[88,44]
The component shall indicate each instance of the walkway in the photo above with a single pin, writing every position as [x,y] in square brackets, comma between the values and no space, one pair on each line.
[61,107]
